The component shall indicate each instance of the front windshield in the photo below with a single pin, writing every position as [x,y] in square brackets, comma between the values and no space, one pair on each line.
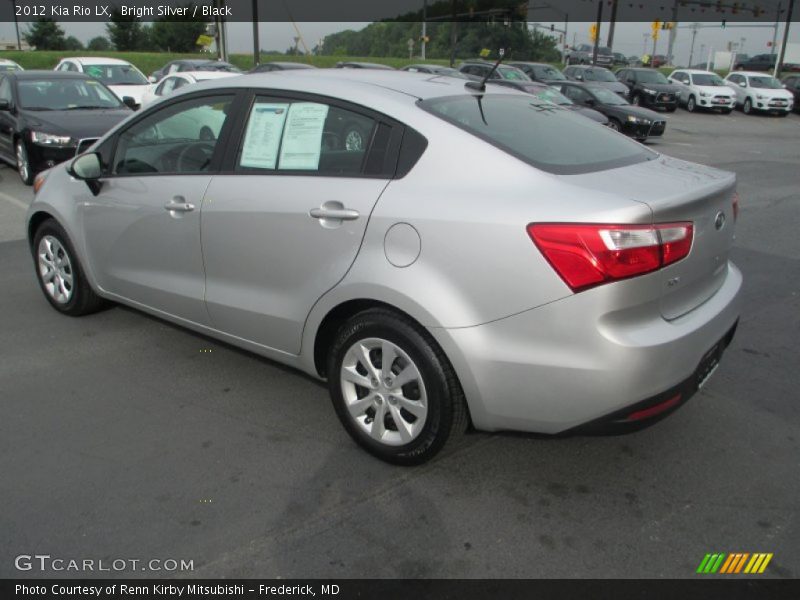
[709,79]
[512,74]
[115,74]
[65,94]
[548,94]
[598,75]
[651,77]
[539,133]
[765,83]
[9,67]
[549,73]
[606,96]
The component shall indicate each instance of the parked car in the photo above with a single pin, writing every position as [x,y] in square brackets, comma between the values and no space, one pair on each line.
[477,70]
[192,64]
[541,72]
[279,66]
[434,70]
[620,60]
[9,65]
[648,87]
[582,55]
[703,89]
[175,81]
[120,76]
[47,117]
[759,92]
[599,75]
[763,62]
[792,84]
[548,93]
[349,64]
[658,60]
[634,121]
[428,294]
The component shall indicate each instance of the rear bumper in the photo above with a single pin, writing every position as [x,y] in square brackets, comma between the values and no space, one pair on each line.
[587,357]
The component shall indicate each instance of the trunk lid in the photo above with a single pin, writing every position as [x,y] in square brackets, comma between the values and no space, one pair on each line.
[677,190]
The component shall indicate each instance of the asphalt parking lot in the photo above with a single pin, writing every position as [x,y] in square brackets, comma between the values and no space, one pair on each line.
[122,436]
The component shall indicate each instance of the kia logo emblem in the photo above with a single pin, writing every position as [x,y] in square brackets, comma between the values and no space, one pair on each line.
[719,221]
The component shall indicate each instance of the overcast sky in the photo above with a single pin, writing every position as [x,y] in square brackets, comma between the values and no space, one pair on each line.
[628,38]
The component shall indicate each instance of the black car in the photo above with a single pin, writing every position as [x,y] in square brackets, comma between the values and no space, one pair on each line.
[650,88]
[634,121]
[280,66]
[349,64]
[192,64]
[763,62]
[478,69]
[540,71]
[792,83]
[548,93]
[435,70]
[583,54]
[599,75]
[47,117]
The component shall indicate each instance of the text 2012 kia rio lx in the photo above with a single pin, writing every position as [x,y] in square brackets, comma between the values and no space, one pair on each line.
[441,255]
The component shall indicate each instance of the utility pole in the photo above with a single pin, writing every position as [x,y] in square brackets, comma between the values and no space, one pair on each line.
[16,25]
[646,37]
[673,32]
[424,28]
[775,34]
[256,43]
[782,54]
[453,33]
[597,37]
[566,39]
[695,27]
[611,24]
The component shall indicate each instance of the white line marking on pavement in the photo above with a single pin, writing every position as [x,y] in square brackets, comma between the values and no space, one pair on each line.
[13,200]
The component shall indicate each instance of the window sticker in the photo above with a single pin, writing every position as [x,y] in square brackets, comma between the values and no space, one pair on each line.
[263,136]
[302,137]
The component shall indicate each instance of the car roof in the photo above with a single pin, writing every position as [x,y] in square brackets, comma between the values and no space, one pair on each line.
[694,71]
[526,62]
[587,67]
[204,75]
[290,64]
[751,74]
[97,60]
[46,74]
[367,65]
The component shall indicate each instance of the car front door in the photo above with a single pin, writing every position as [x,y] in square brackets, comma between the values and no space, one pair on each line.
[8,122]
[143,228]
[285,222]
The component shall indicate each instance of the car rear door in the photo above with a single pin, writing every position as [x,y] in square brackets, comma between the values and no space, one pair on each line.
[285,221]
[143,227]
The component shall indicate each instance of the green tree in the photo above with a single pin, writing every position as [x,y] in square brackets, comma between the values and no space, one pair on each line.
[179,34]
[73,43]
[99,44]
[125,33]
[45,34]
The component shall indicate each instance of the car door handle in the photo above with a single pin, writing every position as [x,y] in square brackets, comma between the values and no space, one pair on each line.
[342,214]
[179,204]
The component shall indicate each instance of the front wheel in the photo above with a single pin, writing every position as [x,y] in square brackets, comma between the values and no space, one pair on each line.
[747,107]
[690,104]
[636,100]
[615,124]
[60,275]
[24,168]
[393,388]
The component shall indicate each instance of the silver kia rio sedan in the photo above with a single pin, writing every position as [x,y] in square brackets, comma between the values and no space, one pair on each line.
[442,256]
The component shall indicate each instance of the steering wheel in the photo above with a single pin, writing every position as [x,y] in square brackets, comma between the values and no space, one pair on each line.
[194,157]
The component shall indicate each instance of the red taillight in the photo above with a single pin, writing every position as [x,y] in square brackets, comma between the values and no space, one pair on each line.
[588,255]
[659,408]
[735,206]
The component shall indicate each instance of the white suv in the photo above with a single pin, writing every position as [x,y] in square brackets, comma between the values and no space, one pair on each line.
[760,92]
[703,89]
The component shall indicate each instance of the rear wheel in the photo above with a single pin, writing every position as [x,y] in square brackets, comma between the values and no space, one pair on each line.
[60,274]
[393,389]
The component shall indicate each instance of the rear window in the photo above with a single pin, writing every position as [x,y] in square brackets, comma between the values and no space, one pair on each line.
[548,137]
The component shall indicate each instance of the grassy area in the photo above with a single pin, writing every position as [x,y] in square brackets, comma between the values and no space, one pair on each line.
[147,62]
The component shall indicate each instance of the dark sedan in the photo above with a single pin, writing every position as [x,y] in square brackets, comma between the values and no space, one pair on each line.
[598,75]
[634,121]
[47,117]
[435,70]
[362,65]
[540,71]
[650,88]
[792,83]
[280,66]
[550,94]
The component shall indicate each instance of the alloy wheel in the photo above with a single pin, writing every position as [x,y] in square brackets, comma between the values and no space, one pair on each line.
[23,164]
[748,106]
[690,104]
[55,269]
[383,391]
[353,140]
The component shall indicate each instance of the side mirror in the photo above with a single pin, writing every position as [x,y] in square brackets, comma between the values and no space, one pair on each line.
[5,104]
[152,79]
[86,167]
[130,102]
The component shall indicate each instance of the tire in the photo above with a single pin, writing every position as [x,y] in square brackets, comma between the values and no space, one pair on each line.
[354,138]
[430,387]
[60,275]
[615,125]
[636,100]
[24,169]
[747,107]
[691,104]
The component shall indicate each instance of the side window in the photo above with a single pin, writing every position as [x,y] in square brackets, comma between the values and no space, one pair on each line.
[166,86]
[72,67]
[574,94]
[5,90]
[179,83]
[180,138]
[290,135]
